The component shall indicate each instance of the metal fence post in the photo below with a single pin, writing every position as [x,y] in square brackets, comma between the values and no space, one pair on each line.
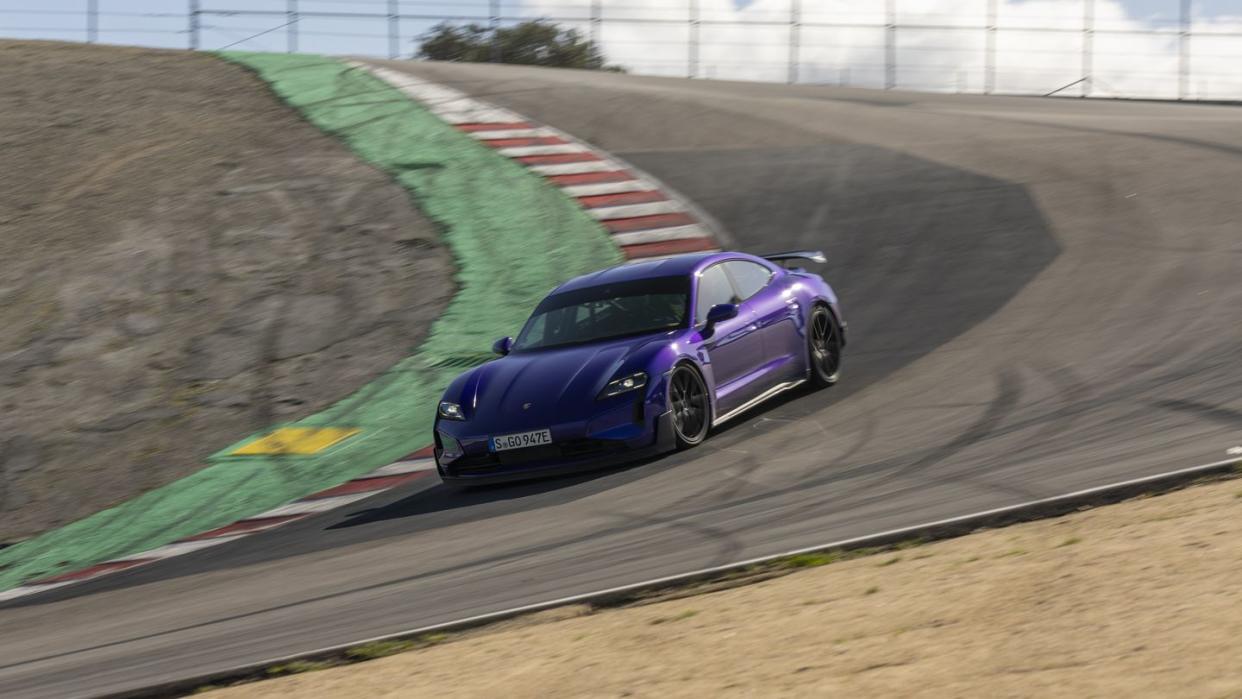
[394,30]
[192,19]
[890,44]
[596,20]
[1183,58]
[795,39]
[1088,45]
[291,14]
[92,21]
[494,23]
[692,59]
[989,57]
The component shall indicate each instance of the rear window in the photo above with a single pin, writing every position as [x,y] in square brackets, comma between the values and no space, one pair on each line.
[749,277]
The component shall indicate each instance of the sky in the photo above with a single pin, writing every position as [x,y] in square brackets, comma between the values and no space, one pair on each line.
[1136,44]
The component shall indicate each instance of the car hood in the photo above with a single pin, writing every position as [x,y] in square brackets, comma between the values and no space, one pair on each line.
[552,385]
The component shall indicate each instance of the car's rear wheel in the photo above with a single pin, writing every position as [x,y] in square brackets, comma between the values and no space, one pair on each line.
[824,340]
[691,409]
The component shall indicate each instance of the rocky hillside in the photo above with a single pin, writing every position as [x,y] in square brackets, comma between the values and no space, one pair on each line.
[183,261]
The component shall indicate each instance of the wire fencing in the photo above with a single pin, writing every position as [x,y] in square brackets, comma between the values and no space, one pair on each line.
[1087,48]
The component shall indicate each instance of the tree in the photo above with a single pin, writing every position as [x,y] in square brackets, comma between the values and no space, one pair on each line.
[536,42]
[445,42]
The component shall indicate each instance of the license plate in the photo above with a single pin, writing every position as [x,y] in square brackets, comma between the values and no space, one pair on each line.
[535,438]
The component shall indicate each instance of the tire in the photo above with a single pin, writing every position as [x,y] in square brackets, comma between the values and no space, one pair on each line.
[687,398]
[823,340]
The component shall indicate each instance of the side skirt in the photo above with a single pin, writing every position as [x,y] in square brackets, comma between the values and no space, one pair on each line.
[770,393]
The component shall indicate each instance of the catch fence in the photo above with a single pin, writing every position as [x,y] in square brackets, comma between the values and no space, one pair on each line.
[1087,48]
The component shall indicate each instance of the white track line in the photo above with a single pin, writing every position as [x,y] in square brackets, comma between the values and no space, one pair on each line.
[400,467]
[476,115]
[180,547]
[574,168]
[657,235]
[588,190]
[495,134]
[556,149]
[607,213]
[308,506]
[32,590]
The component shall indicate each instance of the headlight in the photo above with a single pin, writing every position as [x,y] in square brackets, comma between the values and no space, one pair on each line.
[624,384]
[451,411]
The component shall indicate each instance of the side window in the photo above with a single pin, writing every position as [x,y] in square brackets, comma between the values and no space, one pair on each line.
[750,277]
[714,288]
[535,330]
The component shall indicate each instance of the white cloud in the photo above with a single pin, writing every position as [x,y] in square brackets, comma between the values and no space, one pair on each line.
[1131,58]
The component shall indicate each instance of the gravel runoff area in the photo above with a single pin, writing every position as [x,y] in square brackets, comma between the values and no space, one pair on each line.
[1136,599]
[185,261]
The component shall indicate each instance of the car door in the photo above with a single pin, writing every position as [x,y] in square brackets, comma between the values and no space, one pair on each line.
[775,314]
[734,348]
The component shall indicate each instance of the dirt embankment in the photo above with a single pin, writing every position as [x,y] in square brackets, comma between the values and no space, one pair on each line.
[1137,599]
[183,260]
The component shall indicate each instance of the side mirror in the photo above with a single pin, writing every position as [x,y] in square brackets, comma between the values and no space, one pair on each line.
[718,314]
[502,346]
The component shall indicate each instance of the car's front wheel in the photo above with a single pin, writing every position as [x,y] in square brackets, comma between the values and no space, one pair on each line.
[824,347]
[691,409]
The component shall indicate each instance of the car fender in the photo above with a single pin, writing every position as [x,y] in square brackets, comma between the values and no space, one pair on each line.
[690,351]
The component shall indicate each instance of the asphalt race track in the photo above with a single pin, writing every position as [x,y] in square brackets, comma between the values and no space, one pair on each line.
[1043,296]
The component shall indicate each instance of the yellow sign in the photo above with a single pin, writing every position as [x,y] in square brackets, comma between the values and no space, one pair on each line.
[295,441]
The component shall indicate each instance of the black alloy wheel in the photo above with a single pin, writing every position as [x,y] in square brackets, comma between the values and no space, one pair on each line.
[691,410]
[824,338]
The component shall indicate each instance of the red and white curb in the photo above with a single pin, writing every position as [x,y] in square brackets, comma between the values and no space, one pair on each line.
[413,467]
[645,218]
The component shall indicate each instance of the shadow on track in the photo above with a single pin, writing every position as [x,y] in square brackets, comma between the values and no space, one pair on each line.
[483,501]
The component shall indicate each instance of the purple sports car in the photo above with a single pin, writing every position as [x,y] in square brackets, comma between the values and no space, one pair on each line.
[639,359]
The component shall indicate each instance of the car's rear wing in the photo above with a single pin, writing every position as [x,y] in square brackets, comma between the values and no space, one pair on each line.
[782,257]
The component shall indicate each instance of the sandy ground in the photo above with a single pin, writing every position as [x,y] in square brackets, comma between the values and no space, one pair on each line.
[183,261]
[1137,599]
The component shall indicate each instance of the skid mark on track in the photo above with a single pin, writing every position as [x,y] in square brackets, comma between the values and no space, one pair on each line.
[1003,405]
[736,480]
[1210,146]
[727,545]
[1226,416]
[889,471]
[1071,390]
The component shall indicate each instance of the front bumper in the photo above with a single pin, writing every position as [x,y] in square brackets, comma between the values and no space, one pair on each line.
[572,451]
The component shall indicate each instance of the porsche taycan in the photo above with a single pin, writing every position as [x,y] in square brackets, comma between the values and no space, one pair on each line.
[639,359]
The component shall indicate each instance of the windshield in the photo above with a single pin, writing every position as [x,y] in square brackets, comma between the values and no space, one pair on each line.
[607,311]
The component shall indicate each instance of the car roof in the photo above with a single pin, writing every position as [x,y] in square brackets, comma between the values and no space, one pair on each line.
[672,266]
